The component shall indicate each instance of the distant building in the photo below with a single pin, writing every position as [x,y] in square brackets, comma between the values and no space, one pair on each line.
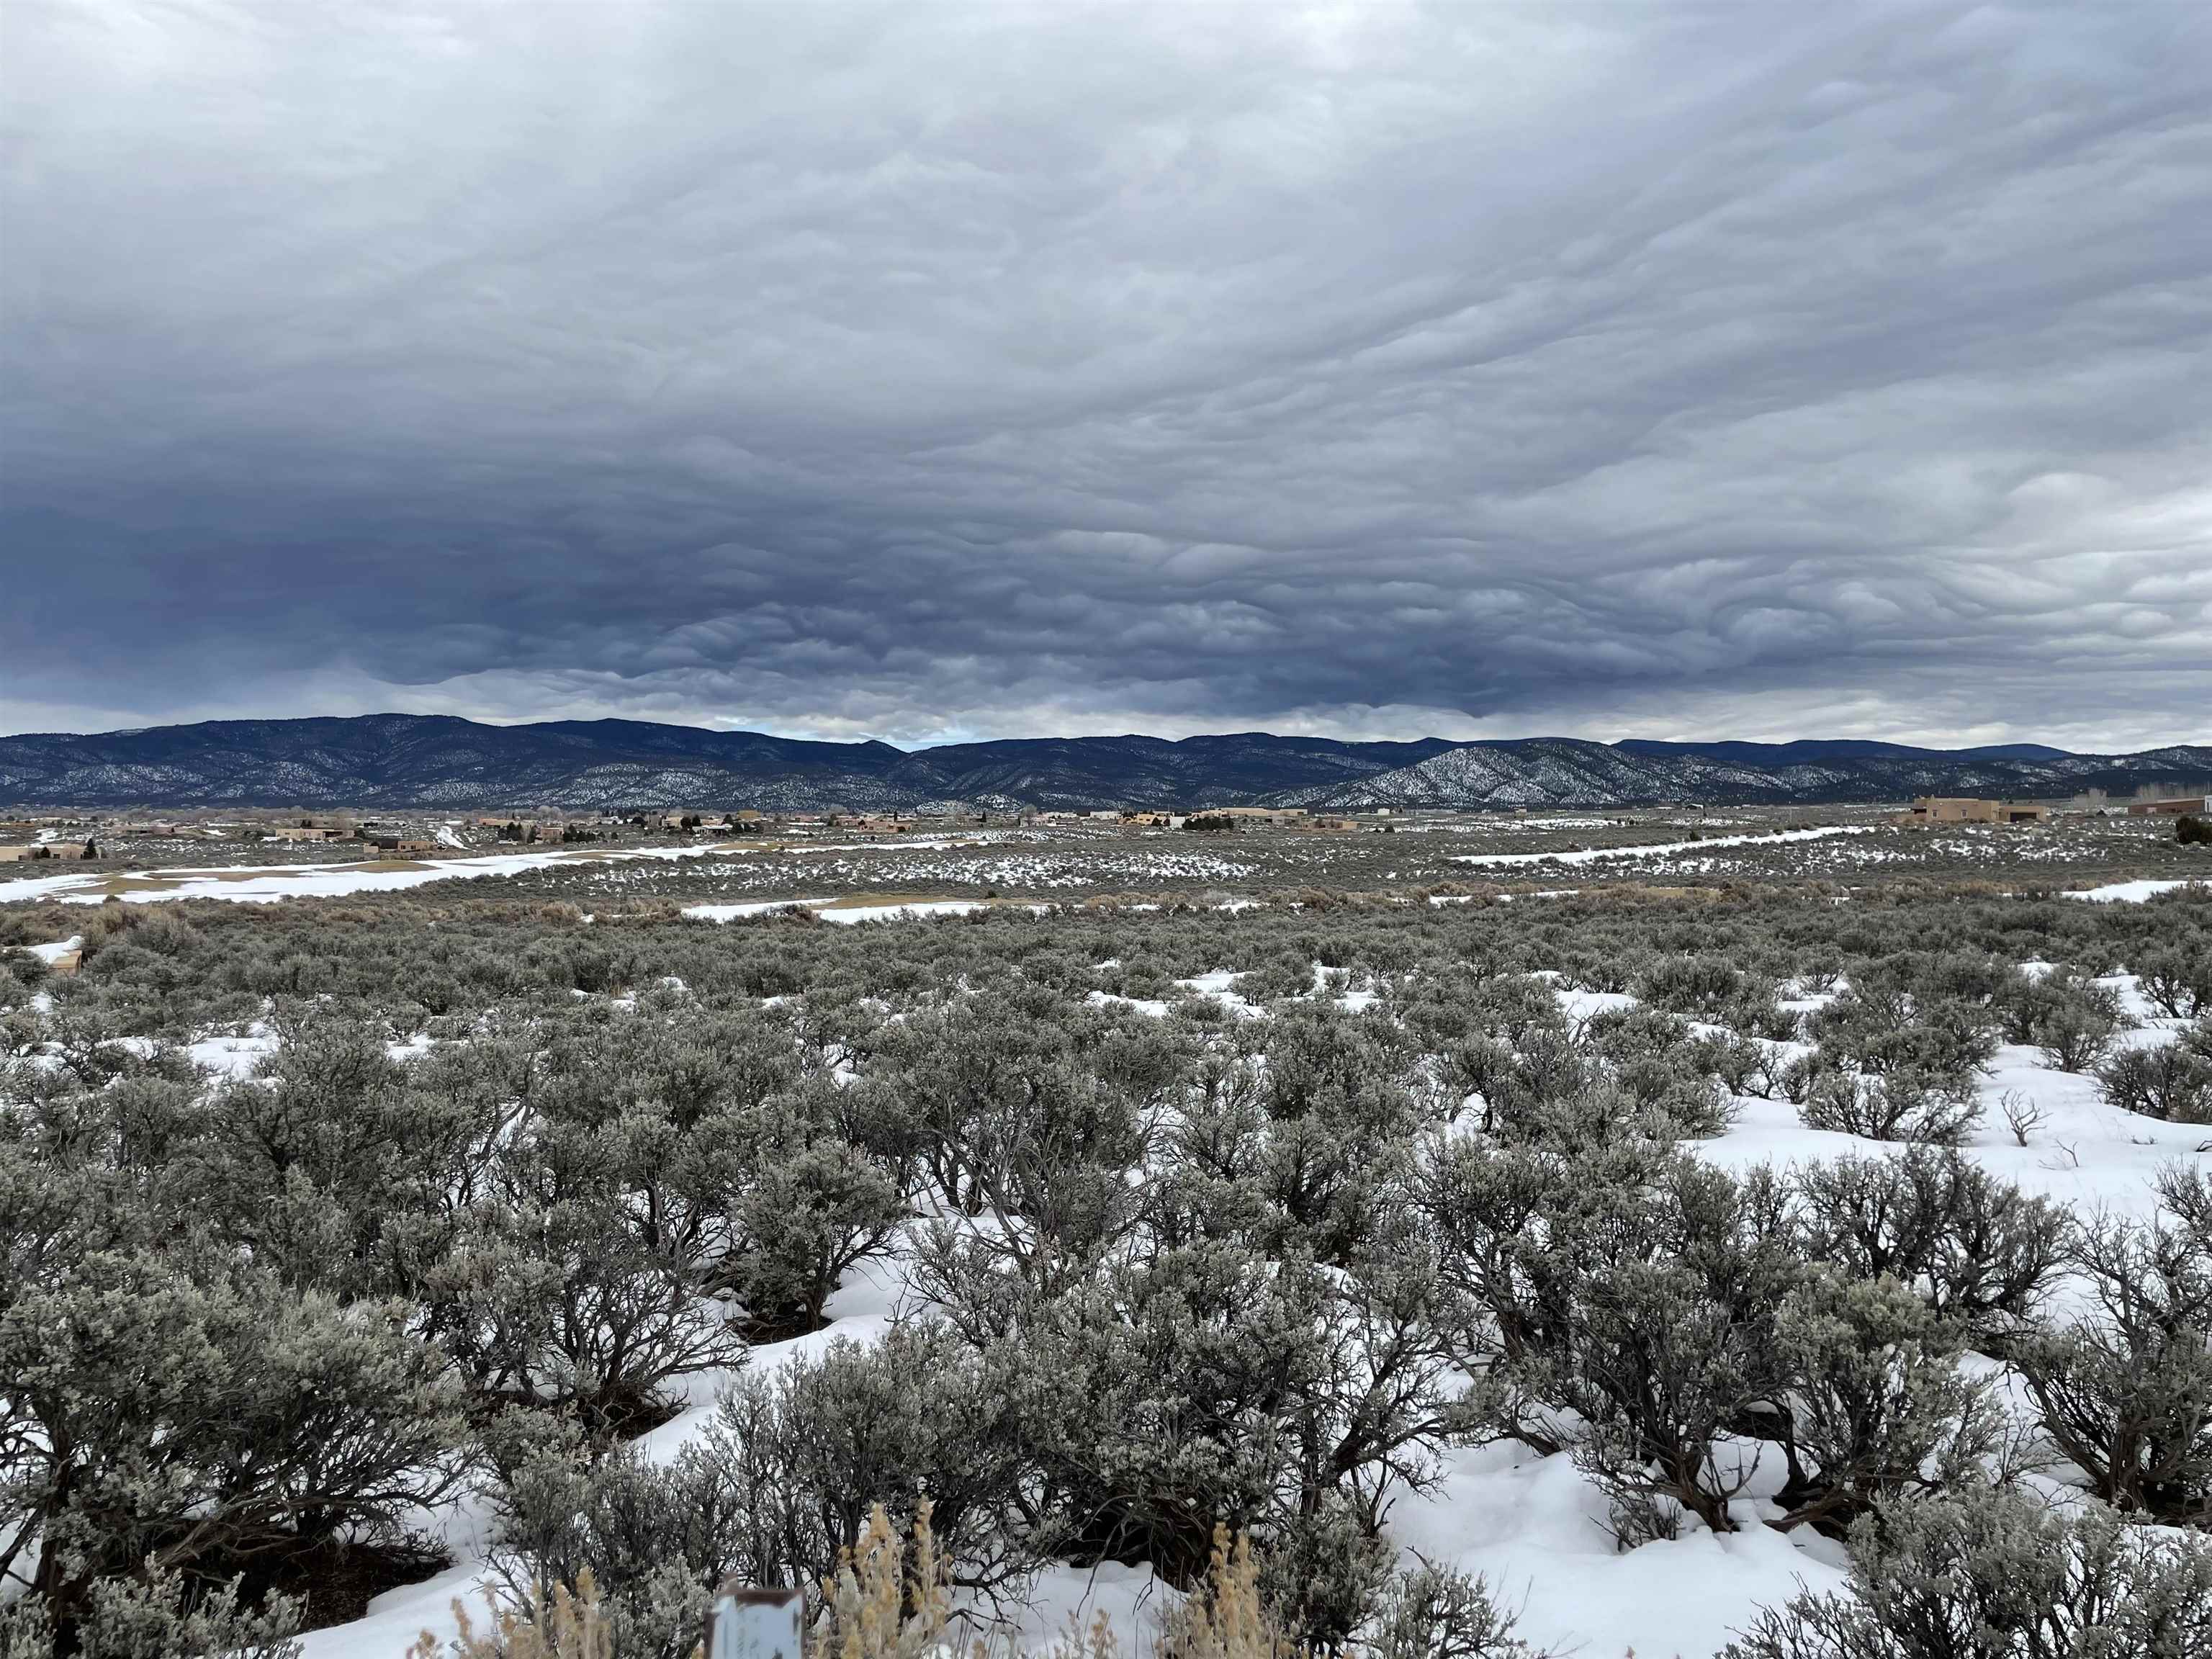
[2191,805]
[1965,809]
[72,850]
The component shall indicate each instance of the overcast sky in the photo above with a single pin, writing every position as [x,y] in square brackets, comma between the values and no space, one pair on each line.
[924,372]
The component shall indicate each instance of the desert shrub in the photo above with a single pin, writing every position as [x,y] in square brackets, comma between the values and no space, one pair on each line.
[1669,1368]
[1518,1228]
[2178,978]
[1668,1079]
[1429,1612]
[2071,1017]
[1658,1336]
[2126,1391]
[1700,987]
[155,1614]
[1980,1252]
[1001,1082]
[186,1406]
[548,1300]
[1902,1106]
[652,1543]
[1322,1575]
[1875,1406]
[2192,831]
[916,1417]
[1933,1022]
[812,1213]
[2172,1081]
[1987,1573]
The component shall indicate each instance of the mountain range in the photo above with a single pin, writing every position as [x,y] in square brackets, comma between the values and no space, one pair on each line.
[439,761]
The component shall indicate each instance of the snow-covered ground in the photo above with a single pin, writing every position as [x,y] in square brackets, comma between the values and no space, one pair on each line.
[1659,849]
[2130,892]
[845,911]
[265,883]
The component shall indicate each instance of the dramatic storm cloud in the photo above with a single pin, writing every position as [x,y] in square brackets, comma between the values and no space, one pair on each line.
[919,371]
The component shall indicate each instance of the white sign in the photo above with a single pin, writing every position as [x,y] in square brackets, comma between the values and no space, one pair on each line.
[756,1624]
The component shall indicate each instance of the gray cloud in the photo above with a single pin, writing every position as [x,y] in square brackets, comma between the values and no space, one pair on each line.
[920,372]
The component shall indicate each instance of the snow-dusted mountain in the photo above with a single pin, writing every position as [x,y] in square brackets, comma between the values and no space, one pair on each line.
[434,760]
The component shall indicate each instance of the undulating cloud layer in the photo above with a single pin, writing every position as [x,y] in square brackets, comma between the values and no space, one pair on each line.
[917,371]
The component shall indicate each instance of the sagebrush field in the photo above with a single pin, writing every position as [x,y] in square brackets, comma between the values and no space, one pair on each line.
[1773,1244]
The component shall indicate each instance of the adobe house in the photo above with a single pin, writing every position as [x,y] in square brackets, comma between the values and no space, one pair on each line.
[1966,809]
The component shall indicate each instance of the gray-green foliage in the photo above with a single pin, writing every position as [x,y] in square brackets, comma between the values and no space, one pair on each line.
[1182,1270]
[1428,1611]
[2169,1080]
[155,1616]
[1983,1573]
[2125,1392]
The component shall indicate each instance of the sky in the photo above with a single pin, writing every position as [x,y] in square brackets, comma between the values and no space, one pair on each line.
[927,372]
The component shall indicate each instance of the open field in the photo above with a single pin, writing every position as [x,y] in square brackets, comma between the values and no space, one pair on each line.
[1523,1197]
[1847,848]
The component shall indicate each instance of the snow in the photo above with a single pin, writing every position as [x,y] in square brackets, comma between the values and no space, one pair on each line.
[1534,1529]
[1578,1005]
[903,911]
[51,954]
[1653,849]
[756,908]
[233,1057]
[267,883]
[2132,892]
[844,911]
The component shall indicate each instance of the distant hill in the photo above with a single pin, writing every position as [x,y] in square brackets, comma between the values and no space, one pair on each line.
[437,762]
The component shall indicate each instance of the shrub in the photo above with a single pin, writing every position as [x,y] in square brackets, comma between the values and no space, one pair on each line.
[1980,1252]
[2172,1081]
[1986,1573]
[2126,1392]
[1431,1613]
[155,1614]
[1875,1406]
[812,1214]
[2068,1015]
[652,1543]
[1903,1106]
[191,1407]
[916,1417]
[2177,979]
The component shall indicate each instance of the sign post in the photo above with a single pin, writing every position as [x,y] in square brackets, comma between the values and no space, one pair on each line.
[756,1624]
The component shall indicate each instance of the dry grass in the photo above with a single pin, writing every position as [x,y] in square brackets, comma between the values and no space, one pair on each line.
[570,1626]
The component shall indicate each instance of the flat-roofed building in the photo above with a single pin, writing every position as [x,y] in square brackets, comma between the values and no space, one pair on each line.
[1967,809]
